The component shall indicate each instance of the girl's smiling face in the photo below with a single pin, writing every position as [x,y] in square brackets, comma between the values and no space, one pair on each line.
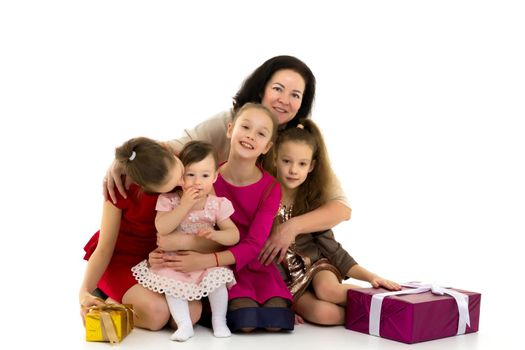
[251,133]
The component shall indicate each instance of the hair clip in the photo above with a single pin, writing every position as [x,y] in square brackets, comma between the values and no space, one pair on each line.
[133,155]
[300,126]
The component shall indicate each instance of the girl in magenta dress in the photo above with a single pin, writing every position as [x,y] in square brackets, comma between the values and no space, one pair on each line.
[260,299]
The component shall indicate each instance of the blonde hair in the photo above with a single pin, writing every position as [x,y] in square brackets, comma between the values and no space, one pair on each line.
[251,105]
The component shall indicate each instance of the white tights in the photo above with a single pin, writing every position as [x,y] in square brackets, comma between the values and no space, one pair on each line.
[181,314]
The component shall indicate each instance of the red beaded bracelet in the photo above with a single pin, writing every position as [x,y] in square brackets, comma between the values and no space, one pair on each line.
[216,259]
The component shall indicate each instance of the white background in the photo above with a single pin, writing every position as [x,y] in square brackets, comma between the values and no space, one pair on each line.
[421,104]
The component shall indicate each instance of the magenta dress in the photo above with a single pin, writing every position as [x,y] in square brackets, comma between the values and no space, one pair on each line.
[255,208]
[188,285]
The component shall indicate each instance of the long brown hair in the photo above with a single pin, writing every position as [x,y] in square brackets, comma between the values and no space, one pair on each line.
[313,192]
[146,161]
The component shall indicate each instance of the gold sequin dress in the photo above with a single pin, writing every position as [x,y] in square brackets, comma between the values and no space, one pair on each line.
[303,259]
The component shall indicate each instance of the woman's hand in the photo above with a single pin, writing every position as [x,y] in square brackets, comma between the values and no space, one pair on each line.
[113,178]
[86,301]
[275,247]
[377,282]
[173,241]
[188,261]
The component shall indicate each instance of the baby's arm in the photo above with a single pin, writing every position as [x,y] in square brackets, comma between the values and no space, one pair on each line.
[167,221]
[228,234]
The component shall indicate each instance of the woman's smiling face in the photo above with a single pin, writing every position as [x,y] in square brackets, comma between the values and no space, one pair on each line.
[283,94]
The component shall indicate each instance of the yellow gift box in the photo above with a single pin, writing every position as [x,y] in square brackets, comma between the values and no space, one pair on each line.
[109,322]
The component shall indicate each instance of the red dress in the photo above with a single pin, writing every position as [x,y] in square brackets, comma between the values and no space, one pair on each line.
[136,239]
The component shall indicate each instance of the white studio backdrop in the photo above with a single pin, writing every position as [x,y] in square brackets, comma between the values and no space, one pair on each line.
[421,104]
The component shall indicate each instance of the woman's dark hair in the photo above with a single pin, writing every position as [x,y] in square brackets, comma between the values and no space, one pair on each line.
[252,89]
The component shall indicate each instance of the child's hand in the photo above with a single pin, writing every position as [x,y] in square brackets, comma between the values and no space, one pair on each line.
[377,282]
[86,301]
[190,197]
[208,233]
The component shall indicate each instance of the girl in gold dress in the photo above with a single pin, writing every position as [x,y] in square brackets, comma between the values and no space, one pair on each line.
[314,264]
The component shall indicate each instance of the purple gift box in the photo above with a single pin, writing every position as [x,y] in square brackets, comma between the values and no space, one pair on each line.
[412,318]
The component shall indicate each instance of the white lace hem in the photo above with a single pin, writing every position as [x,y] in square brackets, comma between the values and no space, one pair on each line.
[183,290]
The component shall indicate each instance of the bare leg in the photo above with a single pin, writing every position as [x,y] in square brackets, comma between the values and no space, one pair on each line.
[328,288]
[151,309]
[319,311]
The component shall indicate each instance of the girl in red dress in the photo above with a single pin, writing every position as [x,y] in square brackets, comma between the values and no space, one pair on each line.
[127,234]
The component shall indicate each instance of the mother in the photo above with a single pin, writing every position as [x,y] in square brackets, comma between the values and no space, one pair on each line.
[286,86]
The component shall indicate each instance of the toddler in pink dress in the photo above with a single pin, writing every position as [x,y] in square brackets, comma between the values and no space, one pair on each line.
[195,212]
[196,284]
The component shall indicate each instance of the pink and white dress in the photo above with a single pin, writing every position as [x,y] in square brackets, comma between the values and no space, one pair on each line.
[197,284]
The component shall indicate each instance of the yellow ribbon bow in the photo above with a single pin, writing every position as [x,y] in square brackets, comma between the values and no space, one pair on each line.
[108,327]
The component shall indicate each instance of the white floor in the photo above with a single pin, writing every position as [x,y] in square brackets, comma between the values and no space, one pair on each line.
[303,337]
[52,323]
